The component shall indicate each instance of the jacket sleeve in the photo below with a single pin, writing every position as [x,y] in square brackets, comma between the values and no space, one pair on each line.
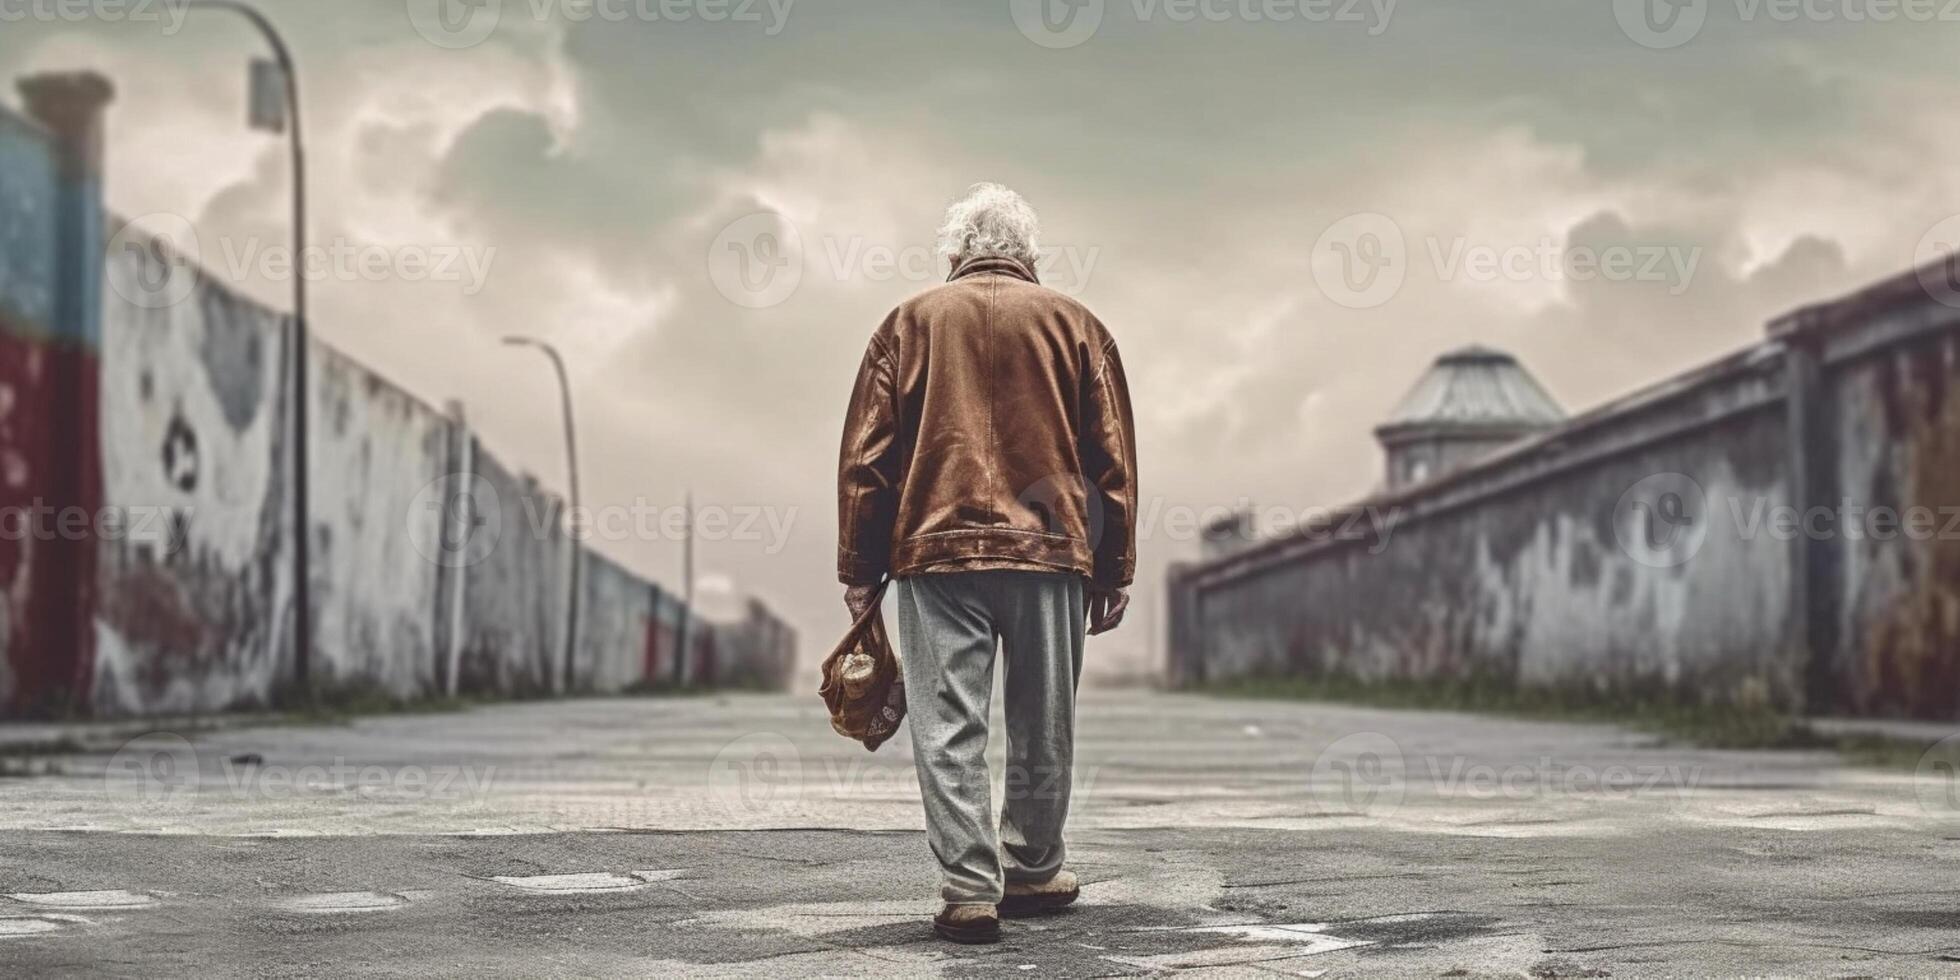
[868,471]
[1109,467]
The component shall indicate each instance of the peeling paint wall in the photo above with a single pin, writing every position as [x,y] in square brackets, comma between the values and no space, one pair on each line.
[513,603]
[195,601]
[755,651]
[615,612]
[196,610]
[50,359]
[1520,574]
[27,285]
[170,419]
[1897,646]
[377,600]
[1537,566]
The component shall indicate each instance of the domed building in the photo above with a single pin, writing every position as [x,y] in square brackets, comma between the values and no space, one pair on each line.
[1472,402]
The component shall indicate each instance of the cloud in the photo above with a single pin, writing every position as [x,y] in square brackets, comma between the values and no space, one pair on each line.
[1197,163]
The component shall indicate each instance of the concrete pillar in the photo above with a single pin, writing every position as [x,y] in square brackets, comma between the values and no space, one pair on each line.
[458,505]
[1812,631]
[1184,636]
[55,673]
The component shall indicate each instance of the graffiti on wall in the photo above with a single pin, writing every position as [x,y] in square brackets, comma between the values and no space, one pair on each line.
[193,409]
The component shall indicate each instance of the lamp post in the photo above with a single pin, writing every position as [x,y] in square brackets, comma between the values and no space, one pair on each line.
[279,112]
[571,465]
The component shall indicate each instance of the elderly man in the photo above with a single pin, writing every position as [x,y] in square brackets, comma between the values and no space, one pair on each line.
[989,468]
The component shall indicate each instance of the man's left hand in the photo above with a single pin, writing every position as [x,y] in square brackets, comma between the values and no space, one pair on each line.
[1106,609]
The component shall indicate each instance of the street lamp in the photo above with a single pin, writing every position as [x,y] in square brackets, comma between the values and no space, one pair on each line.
[571,465]
[275,108]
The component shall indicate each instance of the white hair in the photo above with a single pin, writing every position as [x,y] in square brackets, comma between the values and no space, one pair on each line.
[989,221]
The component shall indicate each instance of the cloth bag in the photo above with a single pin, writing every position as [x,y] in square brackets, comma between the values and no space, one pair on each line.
[862,684]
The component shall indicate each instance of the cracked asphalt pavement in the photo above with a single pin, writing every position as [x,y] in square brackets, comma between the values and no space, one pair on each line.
[736,836]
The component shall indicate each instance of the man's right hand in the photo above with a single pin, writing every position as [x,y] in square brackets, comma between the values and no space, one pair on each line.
[1106,609]
[857,599]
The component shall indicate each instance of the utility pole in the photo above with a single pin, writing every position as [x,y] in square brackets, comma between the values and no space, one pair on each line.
[575,559]
[687,589]
[280,113]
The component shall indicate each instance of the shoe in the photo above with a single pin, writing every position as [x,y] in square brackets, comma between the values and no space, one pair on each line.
[1032,899]
[971,925]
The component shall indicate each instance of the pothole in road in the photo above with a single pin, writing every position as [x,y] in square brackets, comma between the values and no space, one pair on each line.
[330,903]
[587,881]
[108,899]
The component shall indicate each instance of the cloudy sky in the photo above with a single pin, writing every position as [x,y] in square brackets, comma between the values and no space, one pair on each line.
[1282,209]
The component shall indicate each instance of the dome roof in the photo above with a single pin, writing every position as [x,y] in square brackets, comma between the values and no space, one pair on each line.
[1475,388]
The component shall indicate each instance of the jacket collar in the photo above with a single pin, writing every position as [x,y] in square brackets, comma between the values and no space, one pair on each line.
[993,263]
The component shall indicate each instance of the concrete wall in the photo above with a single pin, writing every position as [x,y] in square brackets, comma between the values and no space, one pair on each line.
[615,617]
[1886,623]
[377,601]
[514,596]
[134,385]
[195,603]
[50,347]
[1634,550]
[27,286]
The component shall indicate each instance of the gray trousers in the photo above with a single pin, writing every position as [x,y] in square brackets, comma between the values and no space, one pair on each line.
[948,628]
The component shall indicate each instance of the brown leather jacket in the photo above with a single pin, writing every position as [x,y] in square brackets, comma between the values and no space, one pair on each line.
[990,428]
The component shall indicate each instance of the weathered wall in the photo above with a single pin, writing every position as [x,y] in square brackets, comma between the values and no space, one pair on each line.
[1891,639]
[514,599]
[50,340]
[756,651]
[27,288]
[377,601]
[195,601]
[615,614]
[1560,562]
[183,600]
